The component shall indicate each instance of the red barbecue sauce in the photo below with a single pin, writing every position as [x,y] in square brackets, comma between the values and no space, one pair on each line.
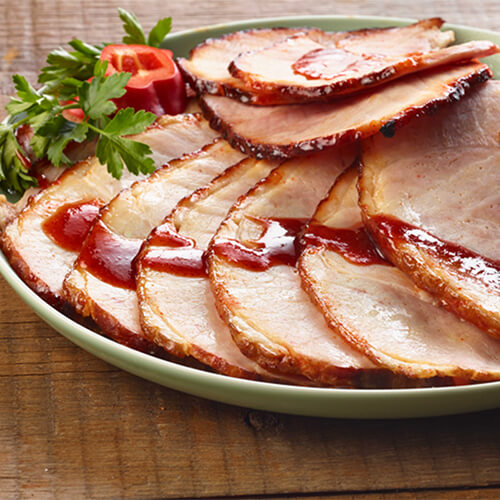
[110,257]
[353,244]
[69,225]
[278,244]
[460,259]
[170,252]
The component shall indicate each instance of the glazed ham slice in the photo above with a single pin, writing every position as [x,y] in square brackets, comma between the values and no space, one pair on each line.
[43,257]
[377,308]
[325,73]
[102,282]
[305,70]
[206,70]
[257,288]
[430,199]
[290,130]
[177,308]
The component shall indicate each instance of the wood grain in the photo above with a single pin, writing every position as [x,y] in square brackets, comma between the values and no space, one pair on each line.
[72,426]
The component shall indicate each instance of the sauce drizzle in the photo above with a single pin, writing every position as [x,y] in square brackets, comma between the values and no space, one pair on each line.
[70,224]
[459,259]
[278,244]
[110,257]
[353,244]
[170,252]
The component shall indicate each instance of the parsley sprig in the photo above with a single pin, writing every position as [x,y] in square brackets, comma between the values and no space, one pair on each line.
[76,79]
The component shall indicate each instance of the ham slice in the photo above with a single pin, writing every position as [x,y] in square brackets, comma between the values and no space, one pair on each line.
[176,304]
[290,130]
[305,70]
[206,70]
[257,288]
[422,36]
[377,308]
[35,255]
[430,199]
[102,282]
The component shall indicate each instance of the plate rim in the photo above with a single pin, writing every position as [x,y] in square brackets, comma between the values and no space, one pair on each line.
[326,402]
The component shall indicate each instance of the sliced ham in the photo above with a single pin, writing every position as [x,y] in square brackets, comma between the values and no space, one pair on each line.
[377,308]
[305,70]
[206,69]
[430,199]
[37,257]
[177,308]
[257,288]
[102,282]
[422,36]
[291,130]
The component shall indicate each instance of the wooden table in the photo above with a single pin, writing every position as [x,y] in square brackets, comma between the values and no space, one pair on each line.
[72,426]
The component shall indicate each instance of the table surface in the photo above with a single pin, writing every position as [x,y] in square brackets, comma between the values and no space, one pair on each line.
[72,426]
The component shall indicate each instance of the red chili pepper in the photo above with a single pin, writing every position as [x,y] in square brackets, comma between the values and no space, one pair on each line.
[156,84]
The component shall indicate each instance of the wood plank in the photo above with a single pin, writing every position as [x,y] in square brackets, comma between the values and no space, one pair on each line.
[74,426]
[453,494]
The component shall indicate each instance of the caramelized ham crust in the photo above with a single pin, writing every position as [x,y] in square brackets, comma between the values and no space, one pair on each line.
[102,282]
[305,70]
[177,309]
[34,253]
[291,130]
[430,199]
[257,288]
[377,308]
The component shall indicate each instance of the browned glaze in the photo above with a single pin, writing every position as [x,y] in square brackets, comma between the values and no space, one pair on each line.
[277,244]
[353,244]
[332,62]
[457,258]
[170,252]
[70,224]
[110,257]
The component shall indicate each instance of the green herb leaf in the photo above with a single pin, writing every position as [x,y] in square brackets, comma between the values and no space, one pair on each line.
[62,64]
[160,31]
[16,106]
[114,151]
[128,121]
[95,96]
[14,175]
[61,133]
[132,26]
[25,91]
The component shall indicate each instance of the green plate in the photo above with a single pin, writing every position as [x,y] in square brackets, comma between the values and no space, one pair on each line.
[340,403]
